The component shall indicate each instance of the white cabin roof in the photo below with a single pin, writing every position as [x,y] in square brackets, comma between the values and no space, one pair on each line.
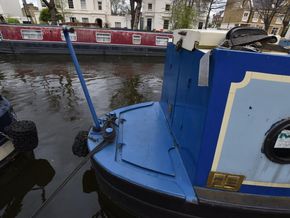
[203,38]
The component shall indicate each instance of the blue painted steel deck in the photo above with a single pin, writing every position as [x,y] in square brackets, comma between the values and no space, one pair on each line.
[147,159]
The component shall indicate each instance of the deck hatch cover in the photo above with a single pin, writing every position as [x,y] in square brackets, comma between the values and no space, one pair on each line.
[146,139]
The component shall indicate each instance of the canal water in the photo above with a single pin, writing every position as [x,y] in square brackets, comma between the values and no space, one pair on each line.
[45,89]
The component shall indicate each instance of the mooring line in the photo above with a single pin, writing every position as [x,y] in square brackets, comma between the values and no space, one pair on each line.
[69,177]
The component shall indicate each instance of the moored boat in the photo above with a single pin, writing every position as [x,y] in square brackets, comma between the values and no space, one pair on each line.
[217,144]
[38,39]
[15,136]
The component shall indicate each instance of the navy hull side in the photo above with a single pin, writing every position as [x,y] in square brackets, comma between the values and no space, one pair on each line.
[121,198]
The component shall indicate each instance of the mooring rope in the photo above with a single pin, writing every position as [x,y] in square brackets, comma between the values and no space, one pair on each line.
[69,177]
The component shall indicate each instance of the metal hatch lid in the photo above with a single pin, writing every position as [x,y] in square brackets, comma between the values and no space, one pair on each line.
[147,140]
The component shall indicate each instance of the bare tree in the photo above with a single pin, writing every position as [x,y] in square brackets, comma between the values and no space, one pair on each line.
[268,9]
[211,5]
[286,21]
[61,5]
[26,11]
[135,8]
[52,10]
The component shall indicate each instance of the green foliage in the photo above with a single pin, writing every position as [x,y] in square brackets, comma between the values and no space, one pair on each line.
[182,15]
[45,16]
[12,20]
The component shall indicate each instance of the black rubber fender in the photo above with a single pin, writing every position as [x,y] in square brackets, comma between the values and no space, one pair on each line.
[23,134]
[80,147]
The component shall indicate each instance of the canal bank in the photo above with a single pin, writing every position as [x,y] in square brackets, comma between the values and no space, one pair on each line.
[45,89]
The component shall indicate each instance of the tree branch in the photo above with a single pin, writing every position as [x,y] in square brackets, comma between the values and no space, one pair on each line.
[46,3]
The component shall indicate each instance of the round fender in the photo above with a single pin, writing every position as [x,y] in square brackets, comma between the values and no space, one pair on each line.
[79,147]
[23,134]
[276,152]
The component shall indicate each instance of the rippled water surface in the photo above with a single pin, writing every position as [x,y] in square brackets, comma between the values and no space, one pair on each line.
[45,89]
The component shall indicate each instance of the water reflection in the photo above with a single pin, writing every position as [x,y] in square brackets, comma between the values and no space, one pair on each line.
[45,89]
[22,176]
[128,93]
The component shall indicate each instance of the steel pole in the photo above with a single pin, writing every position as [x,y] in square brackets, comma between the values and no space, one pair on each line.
[66,31]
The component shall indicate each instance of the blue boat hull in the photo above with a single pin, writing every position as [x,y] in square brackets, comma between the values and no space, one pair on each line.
[137,196]
[198,151]
[120,198]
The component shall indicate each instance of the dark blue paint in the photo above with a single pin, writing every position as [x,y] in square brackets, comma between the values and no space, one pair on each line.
[189,103]
[252,189]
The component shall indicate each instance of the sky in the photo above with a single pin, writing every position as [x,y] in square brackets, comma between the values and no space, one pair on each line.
[30,1]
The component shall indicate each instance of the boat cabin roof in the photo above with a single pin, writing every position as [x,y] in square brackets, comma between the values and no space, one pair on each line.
[205,40]
[191,38]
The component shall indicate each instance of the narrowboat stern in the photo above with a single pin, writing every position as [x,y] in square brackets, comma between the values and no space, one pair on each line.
[217,144]
[15,136]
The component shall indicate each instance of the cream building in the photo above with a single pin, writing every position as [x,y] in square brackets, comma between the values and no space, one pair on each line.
[89,11]
[11,8]
[156,15]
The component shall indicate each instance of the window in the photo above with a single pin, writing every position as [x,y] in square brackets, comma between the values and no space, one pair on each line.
[255,17]
[274,30]
[83,4]
[167,7]
[73,19]
[161,40]
[72,36]
[136,39]
[149,7]
[103,37]
[165,24]
[100,5]
[246,16]
[32,34]
[118,24]
[70,4]
[85,20]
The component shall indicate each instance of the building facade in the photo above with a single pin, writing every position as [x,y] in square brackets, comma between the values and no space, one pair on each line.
[89,11]
[238,13]
[11,9]
[156,15]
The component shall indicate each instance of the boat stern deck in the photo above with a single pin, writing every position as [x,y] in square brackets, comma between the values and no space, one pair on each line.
[144,152]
